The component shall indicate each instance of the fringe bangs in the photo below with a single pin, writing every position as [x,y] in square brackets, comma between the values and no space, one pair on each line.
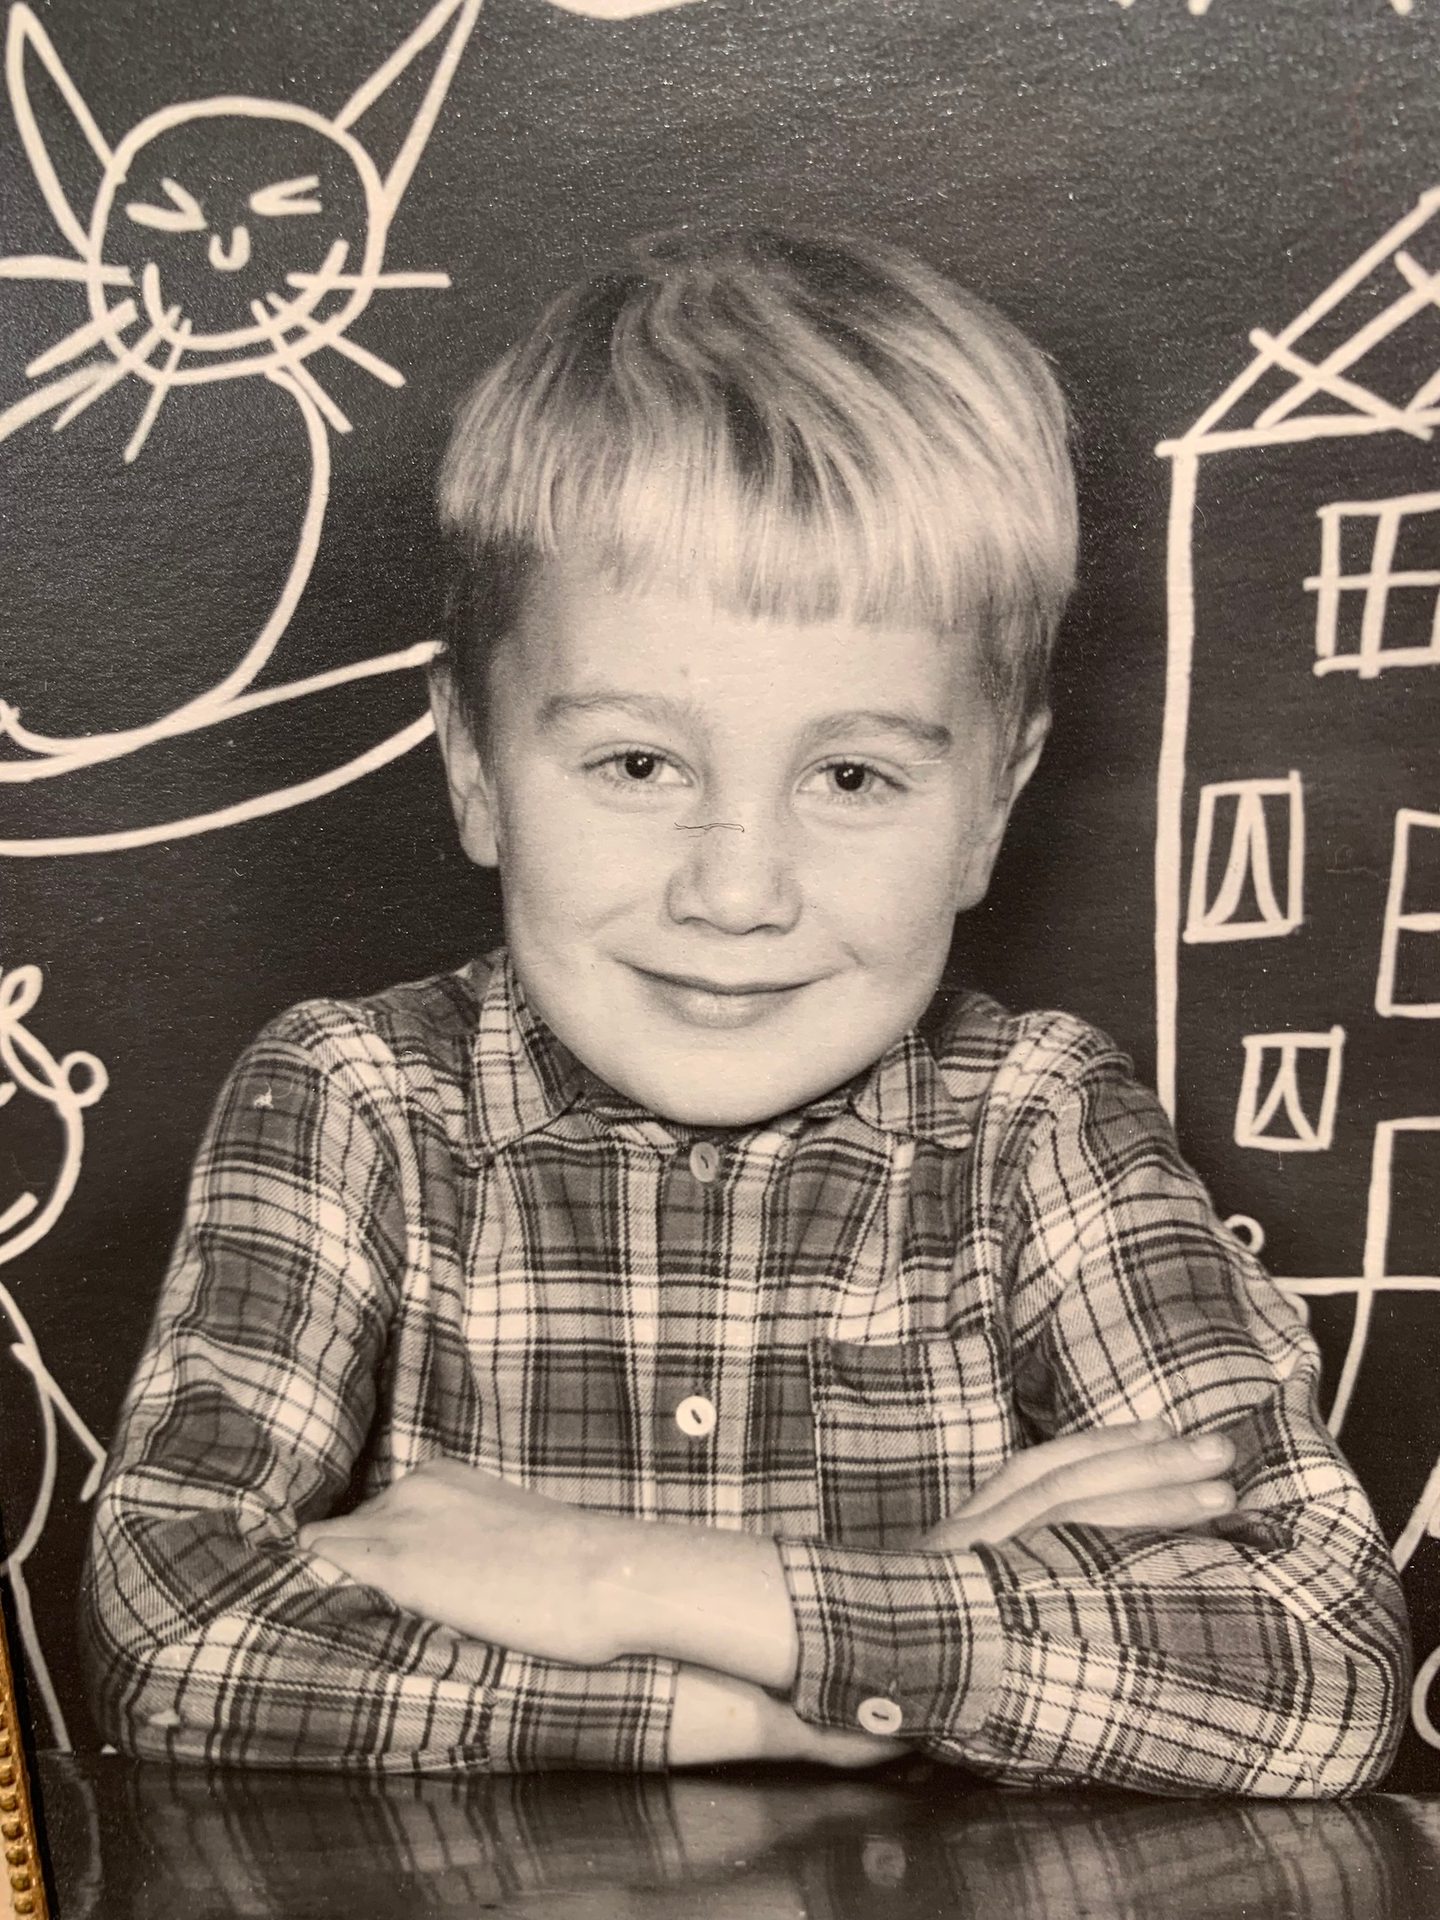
[805,435]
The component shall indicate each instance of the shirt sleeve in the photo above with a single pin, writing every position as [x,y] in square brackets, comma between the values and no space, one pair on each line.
[210,1636]
[1266,1653]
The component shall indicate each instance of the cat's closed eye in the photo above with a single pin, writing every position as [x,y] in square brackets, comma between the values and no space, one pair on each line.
[185,215]
[280,199]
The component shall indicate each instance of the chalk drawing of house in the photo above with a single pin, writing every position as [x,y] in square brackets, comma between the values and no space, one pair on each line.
[1297,870]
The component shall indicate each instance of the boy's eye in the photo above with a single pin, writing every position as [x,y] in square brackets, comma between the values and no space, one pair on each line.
[638,767]
[850,777]
[855,782]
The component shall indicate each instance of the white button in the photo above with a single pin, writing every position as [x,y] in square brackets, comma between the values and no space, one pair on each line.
[705,1160]
[695,1416]
[169,1718]
[879,1715]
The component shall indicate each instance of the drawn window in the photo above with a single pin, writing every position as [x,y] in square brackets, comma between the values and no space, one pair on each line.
[1378,589]
[1402,1234]
[1289,1091]
[1409,984]
[1247,874]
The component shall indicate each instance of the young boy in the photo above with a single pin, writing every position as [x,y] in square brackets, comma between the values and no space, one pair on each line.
[653,1344]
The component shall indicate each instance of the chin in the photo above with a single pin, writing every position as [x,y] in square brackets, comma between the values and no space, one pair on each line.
[720,1099]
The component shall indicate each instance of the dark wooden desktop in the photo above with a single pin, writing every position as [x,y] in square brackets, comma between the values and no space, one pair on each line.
[133,1840]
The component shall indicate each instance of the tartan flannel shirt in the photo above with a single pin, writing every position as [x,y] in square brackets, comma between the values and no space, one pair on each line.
[418,1226]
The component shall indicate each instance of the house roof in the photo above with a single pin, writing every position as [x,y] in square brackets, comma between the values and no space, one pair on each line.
[1361,358]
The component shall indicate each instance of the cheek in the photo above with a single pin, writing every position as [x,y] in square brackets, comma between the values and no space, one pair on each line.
[893,895]
[567,865]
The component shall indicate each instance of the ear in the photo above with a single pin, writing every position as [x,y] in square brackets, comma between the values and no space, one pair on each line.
[459,16]
[1014,777]
[471,798]
[28,53]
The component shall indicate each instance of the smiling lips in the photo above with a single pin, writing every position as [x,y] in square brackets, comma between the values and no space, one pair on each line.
[708,1003]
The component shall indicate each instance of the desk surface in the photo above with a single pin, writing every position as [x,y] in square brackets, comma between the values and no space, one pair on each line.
[131,1840]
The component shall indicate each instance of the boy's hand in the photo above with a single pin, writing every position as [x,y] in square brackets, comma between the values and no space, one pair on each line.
[716,1719]
[1138,1475]
[490,1559]
[505,1565]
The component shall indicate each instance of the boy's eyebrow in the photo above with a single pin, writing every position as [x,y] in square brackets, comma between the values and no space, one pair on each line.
[912,727]
[644,706]
[928,735]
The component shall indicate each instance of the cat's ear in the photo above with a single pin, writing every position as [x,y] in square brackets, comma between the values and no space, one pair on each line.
[442,34]
[41,91]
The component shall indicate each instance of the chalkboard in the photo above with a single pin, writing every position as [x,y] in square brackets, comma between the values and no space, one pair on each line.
[218,793]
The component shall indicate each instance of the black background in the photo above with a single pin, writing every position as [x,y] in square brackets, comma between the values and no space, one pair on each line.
[1137,187]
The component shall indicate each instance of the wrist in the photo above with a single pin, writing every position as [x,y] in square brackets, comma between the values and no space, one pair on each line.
[704,1596]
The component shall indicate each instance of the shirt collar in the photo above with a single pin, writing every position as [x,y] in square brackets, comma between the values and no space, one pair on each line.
[524,1078]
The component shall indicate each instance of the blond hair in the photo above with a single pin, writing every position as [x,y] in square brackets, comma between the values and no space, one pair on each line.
[801,427]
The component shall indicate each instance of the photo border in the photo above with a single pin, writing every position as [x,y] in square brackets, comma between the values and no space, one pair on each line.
[24,1874]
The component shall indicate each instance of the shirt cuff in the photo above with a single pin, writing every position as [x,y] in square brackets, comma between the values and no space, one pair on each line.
[906,1644]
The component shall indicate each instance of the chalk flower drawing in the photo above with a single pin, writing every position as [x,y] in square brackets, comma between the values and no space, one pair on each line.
[28,1070]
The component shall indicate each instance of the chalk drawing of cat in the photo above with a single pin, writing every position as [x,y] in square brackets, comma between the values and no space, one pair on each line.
[188,284]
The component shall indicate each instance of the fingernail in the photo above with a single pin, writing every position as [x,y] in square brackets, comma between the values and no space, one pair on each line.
[1213,1497]
[1211,1446]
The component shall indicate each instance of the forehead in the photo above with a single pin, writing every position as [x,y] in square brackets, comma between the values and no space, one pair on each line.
[580,634]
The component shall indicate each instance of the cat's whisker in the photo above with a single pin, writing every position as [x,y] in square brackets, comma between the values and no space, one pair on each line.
[83,338]
[329,274]
[42,400]
[384,282]
[287,356]
[45,266]
[284,311]
[111,376]
[158,393]
[372,363]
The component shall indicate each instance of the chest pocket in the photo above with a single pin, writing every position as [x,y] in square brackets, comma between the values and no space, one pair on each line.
[904,1433]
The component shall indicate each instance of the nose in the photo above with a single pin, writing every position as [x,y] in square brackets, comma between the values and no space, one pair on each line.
[230,259]
[736,875]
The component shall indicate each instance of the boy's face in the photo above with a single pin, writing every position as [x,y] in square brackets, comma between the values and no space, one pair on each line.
[730,850]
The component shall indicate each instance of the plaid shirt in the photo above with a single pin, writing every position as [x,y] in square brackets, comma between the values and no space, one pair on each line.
[418,1226]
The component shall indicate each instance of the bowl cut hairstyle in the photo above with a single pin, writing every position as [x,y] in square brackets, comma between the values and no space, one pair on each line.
[800,427]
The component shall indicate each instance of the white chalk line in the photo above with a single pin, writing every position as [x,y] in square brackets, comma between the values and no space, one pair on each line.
[1253,1115]
[1276,426]
[1170,778]
[69,1085]
[1344,284]
[1248,858]
[279,360]
[1399,920]
[239,814]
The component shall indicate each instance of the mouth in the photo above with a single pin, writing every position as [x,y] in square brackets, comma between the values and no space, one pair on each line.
[289,311]
[714,1003]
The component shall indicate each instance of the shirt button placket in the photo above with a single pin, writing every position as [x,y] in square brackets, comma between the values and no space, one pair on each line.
[686,1401]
